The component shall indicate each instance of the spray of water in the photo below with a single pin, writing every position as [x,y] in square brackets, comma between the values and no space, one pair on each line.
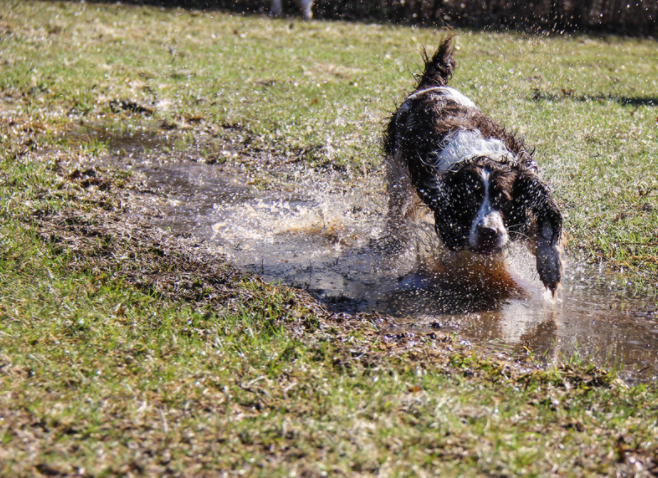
[326,232]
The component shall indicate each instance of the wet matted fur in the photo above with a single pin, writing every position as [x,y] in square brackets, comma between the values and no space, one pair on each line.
[478,180]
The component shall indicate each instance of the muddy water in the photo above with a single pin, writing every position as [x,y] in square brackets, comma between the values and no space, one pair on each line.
[325,233]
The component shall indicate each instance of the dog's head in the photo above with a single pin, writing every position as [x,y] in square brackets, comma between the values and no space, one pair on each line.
[475,206]
[481,203]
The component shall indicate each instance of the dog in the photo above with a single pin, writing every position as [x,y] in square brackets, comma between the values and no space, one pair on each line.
[445,157]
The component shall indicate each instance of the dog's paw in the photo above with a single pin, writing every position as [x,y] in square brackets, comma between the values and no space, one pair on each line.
[549,264]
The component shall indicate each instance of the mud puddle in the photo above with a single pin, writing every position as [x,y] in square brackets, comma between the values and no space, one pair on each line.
[322,233]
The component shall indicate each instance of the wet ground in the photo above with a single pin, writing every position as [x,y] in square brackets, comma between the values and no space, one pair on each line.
[323,231]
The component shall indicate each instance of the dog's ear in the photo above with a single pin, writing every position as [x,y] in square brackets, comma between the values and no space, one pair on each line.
[531,194]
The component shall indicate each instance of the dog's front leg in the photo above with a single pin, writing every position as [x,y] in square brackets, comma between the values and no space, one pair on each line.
[532,194]
[549,255]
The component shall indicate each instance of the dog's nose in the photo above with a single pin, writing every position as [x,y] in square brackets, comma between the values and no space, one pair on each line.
[488,237]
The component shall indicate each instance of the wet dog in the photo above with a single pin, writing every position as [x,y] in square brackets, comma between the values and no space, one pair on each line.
[478,180]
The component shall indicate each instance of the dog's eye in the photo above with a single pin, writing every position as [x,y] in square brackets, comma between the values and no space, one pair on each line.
[470,193]
[472,184]
[465,192]
[475,187]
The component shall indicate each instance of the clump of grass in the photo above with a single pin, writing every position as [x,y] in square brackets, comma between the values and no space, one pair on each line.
[124,350]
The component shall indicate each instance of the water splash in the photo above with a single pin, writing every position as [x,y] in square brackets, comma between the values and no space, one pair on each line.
[323,232]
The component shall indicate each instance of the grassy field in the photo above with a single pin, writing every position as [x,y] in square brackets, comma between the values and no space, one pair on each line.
[126,351]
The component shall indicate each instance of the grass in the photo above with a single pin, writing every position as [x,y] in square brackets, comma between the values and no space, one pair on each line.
[124,351]
[322,92]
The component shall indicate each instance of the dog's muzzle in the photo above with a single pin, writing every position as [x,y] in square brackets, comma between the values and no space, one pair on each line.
[488,234]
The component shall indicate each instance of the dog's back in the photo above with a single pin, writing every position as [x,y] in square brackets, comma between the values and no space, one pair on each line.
[407,214]
[417,133]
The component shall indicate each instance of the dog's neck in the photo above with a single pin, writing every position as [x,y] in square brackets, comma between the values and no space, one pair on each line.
[460,145]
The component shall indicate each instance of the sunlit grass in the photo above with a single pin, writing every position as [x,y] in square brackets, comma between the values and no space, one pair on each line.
[325,90]
[101,374]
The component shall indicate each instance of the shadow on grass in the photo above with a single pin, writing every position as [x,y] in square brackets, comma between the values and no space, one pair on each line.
[568,95]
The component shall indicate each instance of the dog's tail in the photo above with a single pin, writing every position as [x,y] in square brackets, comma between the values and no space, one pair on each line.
[439,68]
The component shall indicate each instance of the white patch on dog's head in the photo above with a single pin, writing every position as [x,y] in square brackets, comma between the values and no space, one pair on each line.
[463,144]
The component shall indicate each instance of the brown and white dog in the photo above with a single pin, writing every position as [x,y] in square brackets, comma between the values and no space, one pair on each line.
[479,181]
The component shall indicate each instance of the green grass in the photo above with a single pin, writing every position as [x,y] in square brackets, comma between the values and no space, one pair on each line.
[122,353]
[324,90]
[102,379]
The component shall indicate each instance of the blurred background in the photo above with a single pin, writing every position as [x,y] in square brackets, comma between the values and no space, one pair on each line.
[635,18]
